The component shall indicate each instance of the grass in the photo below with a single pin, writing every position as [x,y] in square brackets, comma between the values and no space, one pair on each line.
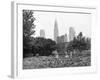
[79,60]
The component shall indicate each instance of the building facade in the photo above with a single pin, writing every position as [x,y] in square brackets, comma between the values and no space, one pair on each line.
[62,38]
[65,38]
[56,32]
[42,33]
[71,33]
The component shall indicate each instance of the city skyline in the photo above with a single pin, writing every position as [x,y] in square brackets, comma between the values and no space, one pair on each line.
[46,21]
[62,38]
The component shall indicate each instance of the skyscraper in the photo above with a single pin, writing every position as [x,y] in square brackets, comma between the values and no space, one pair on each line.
[71,33]
[65,38]
[42,33]
[60,39]
[56,32]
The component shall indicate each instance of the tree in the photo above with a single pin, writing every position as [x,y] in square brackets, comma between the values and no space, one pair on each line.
[79,43]
[84,43]
[88,42]
[43,47]
[28,29]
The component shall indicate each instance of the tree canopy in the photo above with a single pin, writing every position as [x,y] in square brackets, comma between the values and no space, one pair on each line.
[28,29]
[79,43]
[28,25]
[43,46]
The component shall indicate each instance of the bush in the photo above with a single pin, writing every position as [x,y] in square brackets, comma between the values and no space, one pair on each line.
[43,47]
[79,43]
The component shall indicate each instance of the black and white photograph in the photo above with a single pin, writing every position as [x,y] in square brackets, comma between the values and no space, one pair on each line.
[56,39]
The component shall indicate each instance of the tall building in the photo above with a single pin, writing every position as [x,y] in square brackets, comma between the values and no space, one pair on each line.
[56,32]
[60,39]
[42,33]
[65,38]
[71,33]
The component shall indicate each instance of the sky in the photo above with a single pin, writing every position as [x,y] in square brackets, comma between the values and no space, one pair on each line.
[46,20]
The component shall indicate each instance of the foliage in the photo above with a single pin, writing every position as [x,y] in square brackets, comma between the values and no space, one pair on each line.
[79,43]
[43,46]
[28,29]
[61,48]
[51,62]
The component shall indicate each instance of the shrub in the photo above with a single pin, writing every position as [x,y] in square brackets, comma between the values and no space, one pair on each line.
[43,47]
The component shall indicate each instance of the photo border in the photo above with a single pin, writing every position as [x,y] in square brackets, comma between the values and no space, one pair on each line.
[17,71]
